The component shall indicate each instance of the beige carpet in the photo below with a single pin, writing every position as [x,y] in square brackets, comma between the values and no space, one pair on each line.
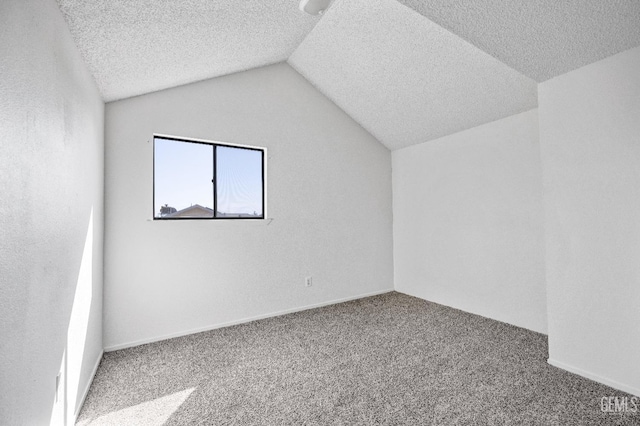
[390,359]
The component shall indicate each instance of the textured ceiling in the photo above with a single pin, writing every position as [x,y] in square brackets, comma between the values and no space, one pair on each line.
[407,70]
[139,46]
[540,38]
[402,77]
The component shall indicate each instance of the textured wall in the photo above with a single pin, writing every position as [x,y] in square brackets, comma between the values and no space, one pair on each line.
[590,143]
[468,222]
[51,216]
[329,194]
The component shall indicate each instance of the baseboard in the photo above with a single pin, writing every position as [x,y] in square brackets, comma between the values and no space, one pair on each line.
[474,312]
[242,321]
[580,372]
[78,407]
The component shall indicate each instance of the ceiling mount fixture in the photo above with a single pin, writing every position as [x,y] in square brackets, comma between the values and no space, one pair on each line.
[314,7]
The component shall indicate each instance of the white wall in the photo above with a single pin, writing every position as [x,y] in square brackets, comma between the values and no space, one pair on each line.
[51,216]
[329,194]
[590,143]
[468,221]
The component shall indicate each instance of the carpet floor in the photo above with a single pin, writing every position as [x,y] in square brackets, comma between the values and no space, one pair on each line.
[390,360]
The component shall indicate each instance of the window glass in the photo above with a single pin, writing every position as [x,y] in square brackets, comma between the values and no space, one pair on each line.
[239,182]
[196,180]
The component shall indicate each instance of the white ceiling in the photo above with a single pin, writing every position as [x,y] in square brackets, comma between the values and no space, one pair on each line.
[407,73]
[405,79]
[540,38]
[140,46]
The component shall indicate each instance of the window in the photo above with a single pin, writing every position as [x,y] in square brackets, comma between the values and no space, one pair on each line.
[207,180]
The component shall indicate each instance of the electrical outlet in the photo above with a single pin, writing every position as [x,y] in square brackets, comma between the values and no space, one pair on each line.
[308,282]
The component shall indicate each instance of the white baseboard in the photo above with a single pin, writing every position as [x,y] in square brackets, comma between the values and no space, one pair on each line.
[241,321]
[580,372]
[78,407]
[539,330]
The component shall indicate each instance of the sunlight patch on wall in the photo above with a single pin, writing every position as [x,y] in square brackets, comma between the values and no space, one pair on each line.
[79,321]
[68,383]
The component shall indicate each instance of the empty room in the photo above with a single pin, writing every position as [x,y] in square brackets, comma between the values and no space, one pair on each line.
[319,212]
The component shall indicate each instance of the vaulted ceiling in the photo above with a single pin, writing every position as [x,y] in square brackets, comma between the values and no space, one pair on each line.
[407,70]
[540,38]
[134,47]
[404,78]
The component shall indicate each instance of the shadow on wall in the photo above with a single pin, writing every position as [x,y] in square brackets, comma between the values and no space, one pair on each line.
[70,389]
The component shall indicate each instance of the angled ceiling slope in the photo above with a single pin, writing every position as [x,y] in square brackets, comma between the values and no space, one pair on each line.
[404,78]
[134,47]
[540,38]
[407,70]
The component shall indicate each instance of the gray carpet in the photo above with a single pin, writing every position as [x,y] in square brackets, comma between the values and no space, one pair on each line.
[390,359]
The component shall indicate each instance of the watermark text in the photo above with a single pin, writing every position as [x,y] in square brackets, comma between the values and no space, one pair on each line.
[619,404]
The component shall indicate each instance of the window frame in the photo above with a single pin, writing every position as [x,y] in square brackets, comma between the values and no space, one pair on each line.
[214,182]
